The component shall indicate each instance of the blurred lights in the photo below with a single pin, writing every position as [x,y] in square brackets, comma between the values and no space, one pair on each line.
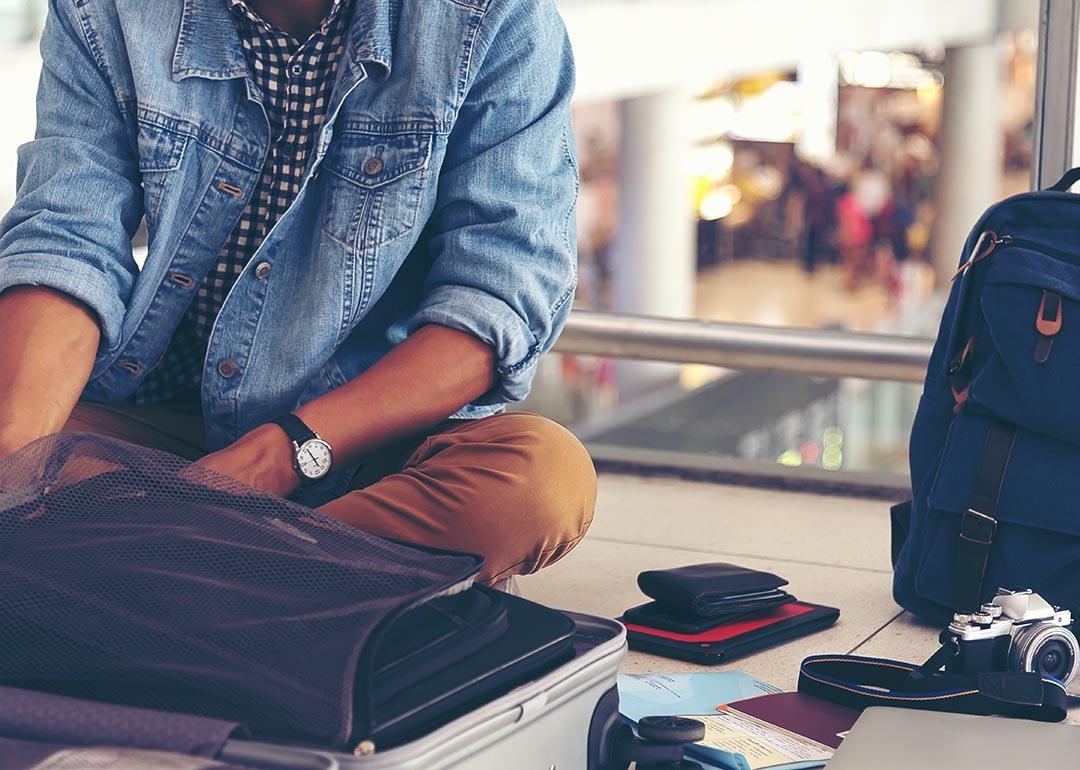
[766,182]
[810,452]
[833,457]
[715,206]
[719,203]
[829,454]
[791,458]
[714,161]
[694,376]
[870,69]
[732,191]
[928,90]
[770,116]
[833,438]
[877,69]
[711,118]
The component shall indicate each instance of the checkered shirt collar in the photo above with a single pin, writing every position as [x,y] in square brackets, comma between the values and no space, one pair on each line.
[243,9]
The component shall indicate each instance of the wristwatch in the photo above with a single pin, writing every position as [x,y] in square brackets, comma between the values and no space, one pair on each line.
[312,455]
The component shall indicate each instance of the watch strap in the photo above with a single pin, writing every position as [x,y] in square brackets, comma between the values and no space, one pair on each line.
[295,428]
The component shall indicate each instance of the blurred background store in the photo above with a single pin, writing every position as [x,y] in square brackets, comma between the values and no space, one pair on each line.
[801,163]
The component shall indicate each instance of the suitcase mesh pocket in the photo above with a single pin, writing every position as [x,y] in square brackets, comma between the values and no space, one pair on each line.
[133,577]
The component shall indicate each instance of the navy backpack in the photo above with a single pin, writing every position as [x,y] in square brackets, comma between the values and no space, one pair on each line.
[995,447]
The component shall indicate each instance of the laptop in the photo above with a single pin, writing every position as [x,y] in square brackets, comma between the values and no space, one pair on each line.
[902,739]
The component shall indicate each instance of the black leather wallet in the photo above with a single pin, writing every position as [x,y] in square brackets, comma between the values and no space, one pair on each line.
[705,590]
[657,615]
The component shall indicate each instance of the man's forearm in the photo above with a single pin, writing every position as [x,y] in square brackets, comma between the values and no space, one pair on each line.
[418,384]
[47,346]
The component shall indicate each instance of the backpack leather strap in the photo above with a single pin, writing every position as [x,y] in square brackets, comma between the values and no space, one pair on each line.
[978,526]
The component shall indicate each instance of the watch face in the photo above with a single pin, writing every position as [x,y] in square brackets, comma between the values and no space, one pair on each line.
[314,458]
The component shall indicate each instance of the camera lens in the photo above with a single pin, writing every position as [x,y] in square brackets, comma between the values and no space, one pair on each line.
[1048,650]
[1052,659]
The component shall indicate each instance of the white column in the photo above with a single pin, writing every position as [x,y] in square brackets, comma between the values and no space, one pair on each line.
[972,142]
[819,88]
[654,261]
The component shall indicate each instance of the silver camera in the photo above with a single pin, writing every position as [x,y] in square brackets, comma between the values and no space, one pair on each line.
[1017,631]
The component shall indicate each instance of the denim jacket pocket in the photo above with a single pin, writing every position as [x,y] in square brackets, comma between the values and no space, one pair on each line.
[161,151]
[376,186]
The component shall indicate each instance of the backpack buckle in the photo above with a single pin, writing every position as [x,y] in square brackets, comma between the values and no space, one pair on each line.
[978,528]
[1046,325]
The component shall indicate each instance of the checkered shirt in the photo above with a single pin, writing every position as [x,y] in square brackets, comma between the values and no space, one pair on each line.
[296,79]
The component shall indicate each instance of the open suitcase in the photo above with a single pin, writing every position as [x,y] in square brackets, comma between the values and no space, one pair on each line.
[565,719]
[147,600]
[568,719]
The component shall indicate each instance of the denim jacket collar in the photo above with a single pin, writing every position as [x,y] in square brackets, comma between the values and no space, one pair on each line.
[208,45]
[370,33]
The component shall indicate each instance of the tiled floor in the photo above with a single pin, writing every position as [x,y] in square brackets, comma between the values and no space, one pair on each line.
[833,551]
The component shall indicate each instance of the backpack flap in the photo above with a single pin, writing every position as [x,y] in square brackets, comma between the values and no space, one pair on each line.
[1030,304]
[1035,516]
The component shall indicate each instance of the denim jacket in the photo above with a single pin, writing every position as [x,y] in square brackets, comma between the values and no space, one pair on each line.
[441,191]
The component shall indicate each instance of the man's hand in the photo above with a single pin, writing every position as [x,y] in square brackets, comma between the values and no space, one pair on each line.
[262,459]
[397,397]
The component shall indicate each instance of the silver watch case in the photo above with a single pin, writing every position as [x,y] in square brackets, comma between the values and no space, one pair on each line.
[312,459]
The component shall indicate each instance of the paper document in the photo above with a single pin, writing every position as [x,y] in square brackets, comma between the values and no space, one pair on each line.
[685,693]
[761,744]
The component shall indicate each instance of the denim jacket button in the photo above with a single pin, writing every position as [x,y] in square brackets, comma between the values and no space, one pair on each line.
[227,368]
[373,166]
[262,270]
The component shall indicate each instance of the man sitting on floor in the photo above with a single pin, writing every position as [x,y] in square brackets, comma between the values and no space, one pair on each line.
[360,241]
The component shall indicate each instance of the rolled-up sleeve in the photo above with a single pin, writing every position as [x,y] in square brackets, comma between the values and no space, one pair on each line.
[501,234]
[78,200]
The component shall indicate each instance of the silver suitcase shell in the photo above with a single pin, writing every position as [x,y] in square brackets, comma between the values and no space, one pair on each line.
[544,724]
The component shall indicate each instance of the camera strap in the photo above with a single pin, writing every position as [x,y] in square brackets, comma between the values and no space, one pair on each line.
[859,682]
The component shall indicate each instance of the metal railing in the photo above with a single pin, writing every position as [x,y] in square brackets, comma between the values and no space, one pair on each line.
[743,346]
[1055,147]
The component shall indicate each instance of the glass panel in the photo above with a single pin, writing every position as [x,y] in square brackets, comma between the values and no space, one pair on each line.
[20,21]
[792,420]
[20,24]
[831,188]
